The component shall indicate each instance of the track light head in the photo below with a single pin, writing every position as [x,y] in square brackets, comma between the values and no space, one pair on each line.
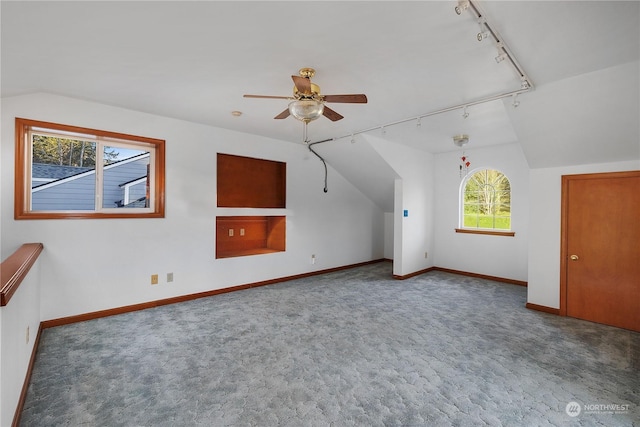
[462,6]
[501,57]
[515,102]
[482,35]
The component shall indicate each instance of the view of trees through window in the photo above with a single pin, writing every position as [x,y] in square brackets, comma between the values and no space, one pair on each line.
[51,150]
[487,201]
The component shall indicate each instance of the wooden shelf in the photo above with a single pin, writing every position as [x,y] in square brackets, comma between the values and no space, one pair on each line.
[245,182]
[249,235]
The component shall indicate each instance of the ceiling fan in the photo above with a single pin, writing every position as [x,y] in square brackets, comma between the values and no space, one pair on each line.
[307,104]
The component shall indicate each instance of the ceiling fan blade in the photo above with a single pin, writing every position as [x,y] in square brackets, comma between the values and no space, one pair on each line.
[354,98]
[283,115]
[331,115]
[268,97]
[303,84]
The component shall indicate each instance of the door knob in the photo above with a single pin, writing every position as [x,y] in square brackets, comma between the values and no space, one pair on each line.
[574,257]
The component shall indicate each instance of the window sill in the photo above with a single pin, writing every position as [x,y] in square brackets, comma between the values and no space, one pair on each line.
[86,215]
[488,232]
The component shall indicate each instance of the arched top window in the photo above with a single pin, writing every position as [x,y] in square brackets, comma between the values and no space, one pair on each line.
[485,201]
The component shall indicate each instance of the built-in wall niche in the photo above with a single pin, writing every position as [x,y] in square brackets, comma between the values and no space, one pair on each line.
[245,182]
[249,235]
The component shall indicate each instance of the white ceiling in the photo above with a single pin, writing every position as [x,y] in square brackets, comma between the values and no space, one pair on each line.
[195,60]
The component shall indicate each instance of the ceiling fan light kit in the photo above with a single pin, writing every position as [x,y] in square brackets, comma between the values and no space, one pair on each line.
[306,110]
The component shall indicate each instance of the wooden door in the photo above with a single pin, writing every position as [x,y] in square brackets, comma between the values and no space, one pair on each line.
[600,265]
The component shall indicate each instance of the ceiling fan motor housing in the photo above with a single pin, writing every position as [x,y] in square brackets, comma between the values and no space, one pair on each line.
[315,91]
[307,72]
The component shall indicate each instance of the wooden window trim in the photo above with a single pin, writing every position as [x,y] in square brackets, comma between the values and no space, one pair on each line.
[487,232]
[22,156]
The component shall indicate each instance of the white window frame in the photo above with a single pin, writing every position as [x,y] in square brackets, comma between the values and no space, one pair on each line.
[461,204]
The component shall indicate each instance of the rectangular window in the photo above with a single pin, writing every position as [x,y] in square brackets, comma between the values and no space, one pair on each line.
[71,172]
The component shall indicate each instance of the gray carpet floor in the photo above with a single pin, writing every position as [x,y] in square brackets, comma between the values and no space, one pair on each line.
[353,347]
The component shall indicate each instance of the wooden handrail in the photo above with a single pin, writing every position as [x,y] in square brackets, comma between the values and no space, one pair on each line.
[14,269]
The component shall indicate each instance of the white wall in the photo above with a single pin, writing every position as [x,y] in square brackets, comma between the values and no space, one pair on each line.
[2,412]
[93,264]
[544,243]
[413,235]
[388,235]
[22,312]
[499,256]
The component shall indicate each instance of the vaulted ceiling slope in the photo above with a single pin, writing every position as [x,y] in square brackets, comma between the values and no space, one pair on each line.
[195,60]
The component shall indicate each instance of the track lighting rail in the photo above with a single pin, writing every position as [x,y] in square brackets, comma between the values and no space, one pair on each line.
[431,113]
[503,53]
[500,43]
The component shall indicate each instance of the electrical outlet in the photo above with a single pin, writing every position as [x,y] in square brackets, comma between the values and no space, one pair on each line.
[27,335]
[154,279]
[231,232]
[169,277]
[426,255]
[242,231]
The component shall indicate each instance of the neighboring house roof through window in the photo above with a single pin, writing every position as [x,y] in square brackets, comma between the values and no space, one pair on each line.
[57,174]
[46,172]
